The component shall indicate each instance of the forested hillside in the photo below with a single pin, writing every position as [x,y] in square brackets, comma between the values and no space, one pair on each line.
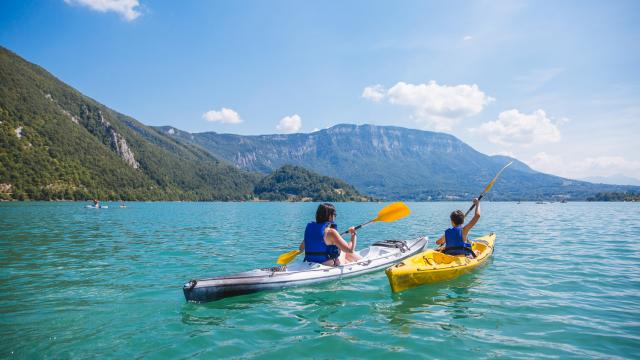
[56,143]
[298,184]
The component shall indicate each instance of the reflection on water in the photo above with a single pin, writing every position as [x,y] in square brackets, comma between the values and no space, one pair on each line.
[439,304]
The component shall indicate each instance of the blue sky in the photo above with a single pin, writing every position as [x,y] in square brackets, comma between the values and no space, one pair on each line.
[553,83]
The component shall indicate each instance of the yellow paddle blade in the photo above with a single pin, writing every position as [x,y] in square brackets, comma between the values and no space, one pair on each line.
[486,190]
[286,258]
[393,212]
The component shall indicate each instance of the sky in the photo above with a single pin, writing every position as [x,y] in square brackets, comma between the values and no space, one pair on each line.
[555,84]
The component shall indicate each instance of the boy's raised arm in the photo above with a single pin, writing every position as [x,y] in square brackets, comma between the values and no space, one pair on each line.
[476,217]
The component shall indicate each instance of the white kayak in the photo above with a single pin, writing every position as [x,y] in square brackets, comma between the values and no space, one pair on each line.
[96,207]
[376,257]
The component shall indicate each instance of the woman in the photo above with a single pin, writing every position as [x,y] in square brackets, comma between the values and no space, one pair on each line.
[322,242]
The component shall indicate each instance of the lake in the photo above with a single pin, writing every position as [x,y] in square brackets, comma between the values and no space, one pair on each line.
[83,283]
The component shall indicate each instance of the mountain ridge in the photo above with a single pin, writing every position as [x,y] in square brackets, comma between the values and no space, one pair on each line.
[56,143]
[391,162]
[617,179]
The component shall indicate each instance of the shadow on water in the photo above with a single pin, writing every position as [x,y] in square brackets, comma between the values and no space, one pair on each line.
[203,313]
[306,304]
[440,302]
[191,319]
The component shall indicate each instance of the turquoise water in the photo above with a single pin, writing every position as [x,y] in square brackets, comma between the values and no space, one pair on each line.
[81,283]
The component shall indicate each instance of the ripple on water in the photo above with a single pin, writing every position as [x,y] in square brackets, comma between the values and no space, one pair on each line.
[83,283]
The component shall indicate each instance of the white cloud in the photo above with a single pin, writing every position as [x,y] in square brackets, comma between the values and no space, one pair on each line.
[439,106]
[608,165]
[290,124]
[467,38]
[590,166]
[547,163]
[126,8]
[374,92]
[225,116]
[514,127]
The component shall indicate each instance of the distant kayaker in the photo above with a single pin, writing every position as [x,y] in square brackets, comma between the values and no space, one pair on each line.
[96,203]
[454,241]
[322,242]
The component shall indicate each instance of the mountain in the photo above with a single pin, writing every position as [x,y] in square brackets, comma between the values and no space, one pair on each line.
[56,143]
[298,184]
[391,162]
[617,179]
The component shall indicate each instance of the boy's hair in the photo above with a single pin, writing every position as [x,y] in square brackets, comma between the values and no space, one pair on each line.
[457,217]
[324,212]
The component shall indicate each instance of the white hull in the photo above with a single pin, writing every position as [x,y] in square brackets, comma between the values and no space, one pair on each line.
[375,257]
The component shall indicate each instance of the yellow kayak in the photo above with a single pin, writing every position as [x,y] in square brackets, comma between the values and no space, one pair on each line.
[432,266]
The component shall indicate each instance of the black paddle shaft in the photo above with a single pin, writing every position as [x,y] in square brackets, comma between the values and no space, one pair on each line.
[488,187]
[472,206]
[358,227]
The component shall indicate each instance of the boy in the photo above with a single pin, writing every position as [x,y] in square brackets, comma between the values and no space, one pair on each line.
[454,241]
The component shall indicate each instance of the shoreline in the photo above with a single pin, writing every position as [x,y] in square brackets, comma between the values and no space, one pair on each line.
[533,201]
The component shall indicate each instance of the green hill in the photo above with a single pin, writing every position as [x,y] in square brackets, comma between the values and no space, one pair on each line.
[298,184]
[615,196]
[56,143]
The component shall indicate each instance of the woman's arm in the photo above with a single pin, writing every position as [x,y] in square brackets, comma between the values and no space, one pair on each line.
[301,248]
[333,238]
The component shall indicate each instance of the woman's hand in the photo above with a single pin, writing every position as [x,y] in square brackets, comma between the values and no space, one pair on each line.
[352,230]
[476,201]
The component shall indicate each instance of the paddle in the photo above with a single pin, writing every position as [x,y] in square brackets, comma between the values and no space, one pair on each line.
[389,213]
[486,190]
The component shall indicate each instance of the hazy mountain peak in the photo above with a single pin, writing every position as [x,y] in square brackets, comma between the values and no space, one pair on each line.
[617,179]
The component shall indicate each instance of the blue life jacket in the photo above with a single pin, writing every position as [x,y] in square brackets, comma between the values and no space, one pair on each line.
[454,242]
[315,250]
